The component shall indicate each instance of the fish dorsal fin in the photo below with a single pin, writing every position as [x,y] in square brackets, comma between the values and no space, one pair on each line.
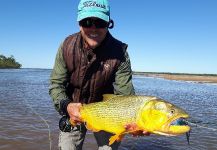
[107,97]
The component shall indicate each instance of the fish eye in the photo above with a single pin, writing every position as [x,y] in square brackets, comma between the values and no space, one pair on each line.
[172,111]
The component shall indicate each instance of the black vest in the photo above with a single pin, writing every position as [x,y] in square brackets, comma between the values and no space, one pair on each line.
[91,72]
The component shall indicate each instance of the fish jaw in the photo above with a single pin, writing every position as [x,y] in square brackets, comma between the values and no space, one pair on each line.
[178,129]
[173,130]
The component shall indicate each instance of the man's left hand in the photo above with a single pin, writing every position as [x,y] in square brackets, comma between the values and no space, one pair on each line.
[133,129]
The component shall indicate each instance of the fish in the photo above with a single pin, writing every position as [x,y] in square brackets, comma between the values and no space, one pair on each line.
[149,113]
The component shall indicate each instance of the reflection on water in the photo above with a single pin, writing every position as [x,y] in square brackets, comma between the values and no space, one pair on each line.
[26,89]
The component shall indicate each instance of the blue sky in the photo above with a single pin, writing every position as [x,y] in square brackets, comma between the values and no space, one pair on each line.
[163,35]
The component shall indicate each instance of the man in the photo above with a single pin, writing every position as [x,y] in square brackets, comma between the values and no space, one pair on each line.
[88,64]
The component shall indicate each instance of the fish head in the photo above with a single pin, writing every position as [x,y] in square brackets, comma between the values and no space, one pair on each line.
[161,117]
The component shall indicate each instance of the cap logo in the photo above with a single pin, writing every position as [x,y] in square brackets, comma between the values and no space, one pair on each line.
[94,8]
[93,4]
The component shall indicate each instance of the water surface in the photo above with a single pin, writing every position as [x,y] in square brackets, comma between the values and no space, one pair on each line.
[24,98]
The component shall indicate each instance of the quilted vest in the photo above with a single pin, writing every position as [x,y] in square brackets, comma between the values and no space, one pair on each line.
[91,72]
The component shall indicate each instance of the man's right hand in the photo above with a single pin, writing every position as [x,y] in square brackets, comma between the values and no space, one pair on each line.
[73,110]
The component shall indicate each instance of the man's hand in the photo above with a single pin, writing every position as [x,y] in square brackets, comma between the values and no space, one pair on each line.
[73,110]
[133,129]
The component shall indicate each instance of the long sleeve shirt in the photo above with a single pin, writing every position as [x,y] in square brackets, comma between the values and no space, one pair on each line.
[60,76]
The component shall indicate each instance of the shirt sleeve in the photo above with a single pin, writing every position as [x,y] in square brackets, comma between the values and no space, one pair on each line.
[123,78]
[58,80]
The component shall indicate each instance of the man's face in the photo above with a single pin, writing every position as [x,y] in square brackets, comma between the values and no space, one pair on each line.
[92,35]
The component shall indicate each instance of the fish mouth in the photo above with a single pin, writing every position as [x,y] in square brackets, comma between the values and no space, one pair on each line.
[179,121]
[175,126]
[178,125]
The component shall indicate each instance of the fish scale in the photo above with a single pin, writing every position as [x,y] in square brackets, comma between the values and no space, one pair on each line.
[111,114]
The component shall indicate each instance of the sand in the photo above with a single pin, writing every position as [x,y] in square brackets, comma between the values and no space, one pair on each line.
[184,77]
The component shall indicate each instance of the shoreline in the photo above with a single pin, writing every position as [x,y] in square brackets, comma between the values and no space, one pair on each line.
[182,77]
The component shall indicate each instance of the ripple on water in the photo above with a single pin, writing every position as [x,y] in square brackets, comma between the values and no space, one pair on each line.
[24,91]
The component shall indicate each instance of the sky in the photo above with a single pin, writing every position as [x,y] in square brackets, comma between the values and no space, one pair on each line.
[178,36]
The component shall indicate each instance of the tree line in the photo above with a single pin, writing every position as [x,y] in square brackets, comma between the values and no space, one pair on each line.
[8,62]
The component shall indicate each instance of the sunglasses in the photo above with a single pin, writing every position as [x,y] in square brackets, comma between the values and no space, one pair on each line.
[89,22]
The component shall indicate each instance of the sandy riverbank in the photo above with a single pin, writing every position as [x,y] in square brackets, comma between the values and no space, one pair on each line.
[183,77]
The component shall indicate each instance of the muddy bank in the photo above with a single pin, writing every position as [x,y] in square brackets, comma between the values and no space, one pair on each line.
[203,78]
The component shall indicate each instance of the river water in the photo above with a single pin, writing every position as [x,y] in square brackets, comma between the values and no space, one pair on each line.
[25,108]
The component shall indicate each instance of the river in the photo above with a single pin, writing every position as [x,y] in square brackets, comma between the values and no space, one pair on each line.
[30,122]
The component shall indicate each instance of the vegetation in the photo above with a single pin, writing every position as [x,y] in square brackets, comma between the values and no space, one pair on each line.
[8,62]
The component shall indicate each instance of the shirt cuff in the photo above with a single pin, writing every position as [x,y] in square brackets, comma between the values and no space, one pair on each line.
[63,106]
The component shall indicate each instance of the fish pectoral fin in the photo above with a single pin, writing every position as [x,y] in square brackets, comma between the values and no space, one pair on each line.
[116,137]
[89,127]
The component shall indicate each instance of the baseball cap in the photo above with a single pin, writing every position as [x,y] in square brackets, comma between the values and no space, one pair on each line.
[94,8]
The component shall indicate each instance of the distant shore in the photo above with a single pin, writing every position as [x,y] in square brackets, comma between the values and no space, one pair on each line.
[199,78]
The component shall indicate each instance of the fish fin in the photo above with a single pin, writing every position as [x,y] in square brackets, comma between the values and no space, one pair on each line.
[116,137]
[89,127]
[73,124]
[107,97]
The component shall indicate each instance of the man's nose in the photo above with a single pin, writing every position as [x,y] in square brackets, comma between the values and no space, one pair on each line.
[93,26]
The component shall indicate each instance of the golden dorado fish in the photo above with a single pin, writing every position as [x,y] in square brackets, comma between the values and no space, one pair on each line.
[149,113]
